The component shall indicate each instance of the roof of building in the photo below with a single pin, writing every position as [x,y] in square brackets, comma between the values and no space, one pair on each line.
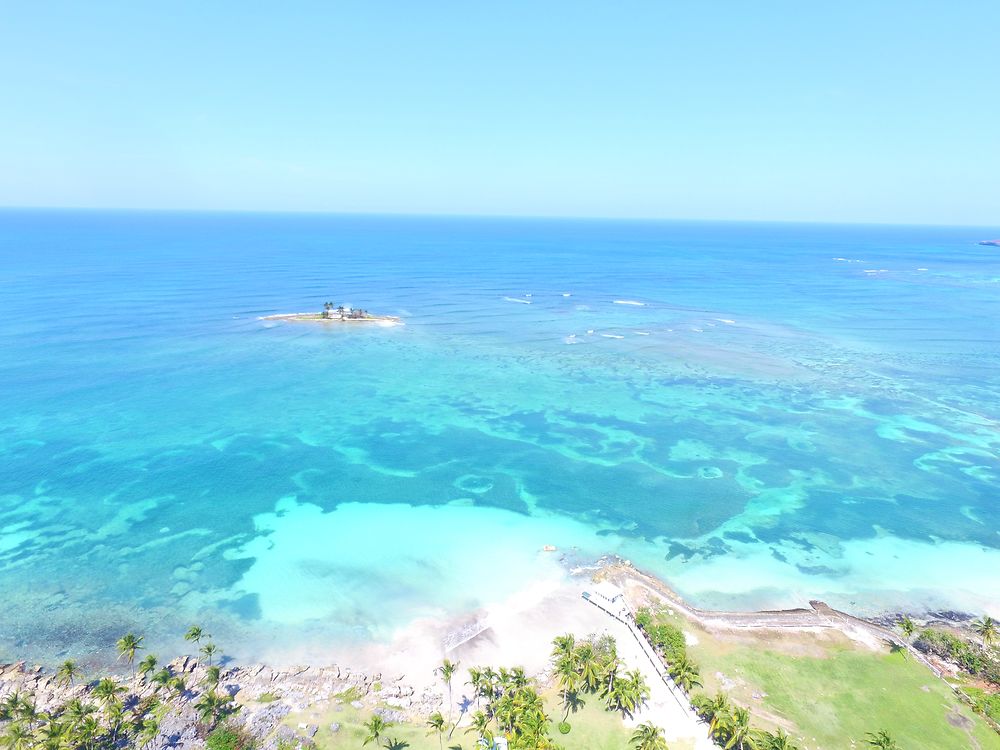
[608,590]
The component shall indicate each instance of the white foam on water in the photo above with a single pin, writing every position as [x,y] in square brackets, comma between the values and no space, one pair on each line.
[641,333]
[612,336]
[378,565]
[629,302]
[860,570]
[566,294]
[515,299]
[727,321]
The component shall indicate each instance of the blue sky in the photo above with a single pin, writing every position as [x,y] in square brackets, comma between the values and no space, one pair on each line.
[849,111]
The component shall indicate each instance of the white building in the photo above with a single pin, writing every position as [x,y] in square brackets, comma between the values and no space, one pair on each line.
[608,597]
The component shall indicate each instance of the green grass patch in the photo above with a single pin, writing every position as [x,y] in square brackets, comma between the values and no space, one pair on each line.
[351,694]
[988,703]
[828,692]
[268,697]
[591,728]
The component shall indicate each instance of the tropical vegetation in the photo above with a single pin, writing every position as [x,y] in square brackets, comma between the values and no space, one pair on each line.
[109,713]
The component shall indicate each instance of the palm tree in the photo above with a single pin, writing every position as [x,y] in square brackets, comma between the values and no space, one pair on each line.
[162,678]
[375,726]
[518,679]
[149,731]
[563,645]
[52,734]
[209,650]
[778,741]
[907,626]
[88,731]
[628,693]
[648,737]
[76,711]
[685,673]
[67,672]
[116,718]
[108,692]
[212,707]
[986,629]
[17,737]
[127,646]
[717,711]
[147,666]
[481,726]
[568,679]
[212,676]
[437,724]
[741,735]
[195,634]
[447,670]
[882,740]
[178,685]
[590,669]
[475,682]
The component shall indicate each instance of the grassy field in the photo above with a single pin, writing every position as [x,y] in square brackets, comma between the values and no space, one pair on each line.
[828,692]
[592,728]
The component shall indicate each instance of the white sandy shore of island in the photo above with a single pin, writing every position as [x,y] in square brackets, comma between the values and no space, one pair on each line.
[313,317]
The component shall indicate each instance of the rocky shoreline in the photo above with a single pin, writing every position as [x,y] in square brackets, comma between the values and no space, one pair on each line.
[265,697]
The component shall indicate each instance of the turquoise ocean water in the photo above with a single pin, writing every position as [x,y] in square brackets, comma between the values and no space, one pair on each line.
[761,414]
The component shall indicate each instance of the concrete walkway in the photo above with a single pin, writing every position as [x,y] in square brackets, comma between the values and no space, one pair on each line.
[668,707]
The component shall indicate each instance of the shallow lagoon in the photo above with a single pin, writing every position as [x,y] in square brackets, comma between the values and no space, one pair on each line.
[791,412]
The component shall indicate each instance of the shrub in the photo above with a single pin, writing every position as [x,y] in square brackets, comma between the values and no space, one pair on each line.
[971,657]
[669,639]
[564,727]
[229,738]
[644,618]
[985,703]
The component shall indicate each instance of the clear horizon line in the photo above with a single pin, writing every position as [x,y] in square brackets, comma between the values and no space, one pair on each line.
[471,215]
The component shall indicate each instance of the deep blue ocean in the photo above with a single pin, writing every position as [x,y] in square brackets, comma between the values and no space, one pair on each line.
[759,413]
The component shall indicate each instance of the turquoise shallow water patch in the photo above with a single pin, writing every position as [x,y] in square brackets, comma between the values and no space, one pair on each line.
[770,425]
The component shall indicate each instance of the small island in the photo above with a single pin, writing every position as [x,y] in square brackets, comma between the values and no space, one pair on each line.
[337,314]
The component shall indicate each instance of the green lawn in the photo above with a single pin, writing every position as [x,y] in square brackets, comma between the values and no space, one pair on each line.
[827,691]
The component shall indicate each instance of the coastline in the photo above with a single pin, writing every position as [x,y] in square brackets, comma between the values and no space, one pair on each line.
[398,679]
